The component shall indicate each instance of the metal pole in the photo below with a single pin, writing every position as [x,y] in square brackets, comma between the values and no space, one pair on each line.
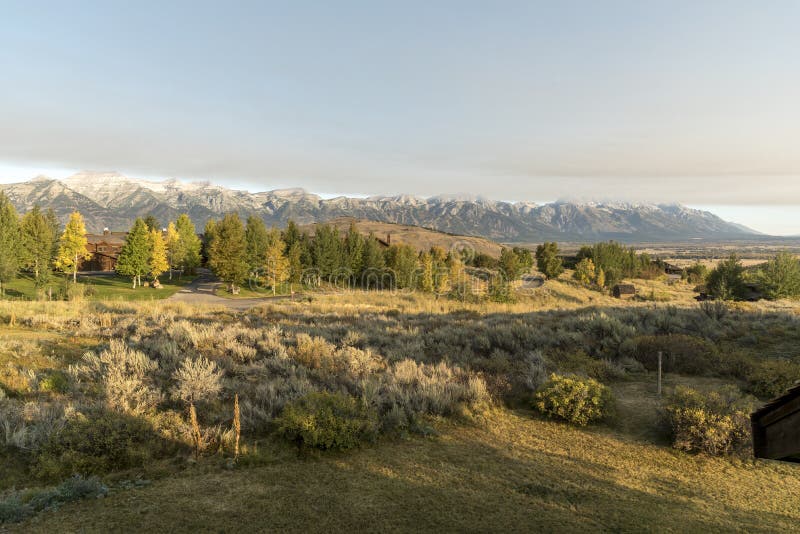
[659,373]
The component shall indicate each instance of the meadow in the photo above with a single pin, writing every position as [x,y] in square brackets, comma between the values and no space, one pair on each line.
[442,432]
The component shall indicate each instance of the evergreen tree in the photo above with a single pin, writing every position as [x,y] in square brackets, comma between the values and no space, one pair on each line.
[38,243]
[134,258]
[373,264]
[10,242]
[277,267]
[189,244]
[326,250]
[152,223]
[295,263]
[509,265]
[401,259]
[548,261]
[158,262]
[291,235]
[227,251]
[780,277]
[354,251]
[173,243]
[255,235]
[726,280]
[72,246]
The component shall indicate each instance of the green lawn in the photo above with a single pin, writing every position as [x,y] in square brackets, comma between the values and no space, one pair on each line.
[256,292]
[98,287]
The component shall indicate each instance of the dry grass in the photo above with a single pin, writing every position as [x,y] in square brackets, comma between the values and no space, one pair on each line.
[508,473]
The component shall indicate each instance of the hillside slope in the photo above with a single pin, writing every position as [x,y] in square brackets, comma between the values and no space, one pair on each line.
[415,236]
[508,472]
[114,201]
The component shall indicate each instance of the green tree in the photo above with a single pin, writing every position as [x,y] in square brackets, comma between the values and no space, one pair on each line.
[134,258]
[374,264]
[548,261]
[152,223]
[292,234]
[354,244]
[525,258]
[326,250]
[255,235]
[227,251]
[509,265]
[39,240]
[780,277]
[72,246]
[726,280]
[10,242]
[401,259]
[295,263]
[189,245]
[277,267]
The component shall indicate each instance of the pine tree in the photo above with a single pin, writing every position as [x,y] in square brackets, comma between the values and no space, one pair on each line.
[548,261]
[276,264]
[295,263]
[39,241]
[227,251]
[780,277]
[172,242]
[72,246]
[354,251]
[10,242]
[374,264]
[134,258]
[326,249]
[257,239]
[152,223]
[189,248]
[291,235]
[157,263]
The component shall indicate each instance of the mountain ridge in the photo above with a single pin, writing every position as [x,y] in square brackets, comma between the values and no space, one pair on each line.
[112,200]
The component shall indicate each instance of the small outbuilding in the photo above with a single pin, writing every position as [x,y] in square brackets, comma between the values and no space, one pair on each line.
[776,428]
[624,291]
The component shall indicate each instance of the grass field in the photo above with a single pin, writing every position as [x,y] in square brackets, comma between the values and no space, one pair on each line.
[505,472]
[97,287]
[499,466]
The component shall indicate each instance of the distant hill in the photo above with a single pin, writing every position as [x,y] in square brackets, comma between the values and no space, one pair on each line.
[415,236]
[114,201]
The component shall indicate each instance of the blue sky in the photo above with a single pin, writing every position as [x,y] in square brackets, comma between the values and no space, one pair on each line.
[694,102]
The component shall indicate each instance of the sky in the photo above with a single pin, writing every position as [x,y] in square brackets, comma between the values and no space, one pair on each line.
[663,101]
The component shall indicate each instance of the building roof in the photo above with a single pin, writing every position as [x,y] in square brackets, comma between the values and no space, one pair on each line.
[112,238]
[625,288]
[792,394]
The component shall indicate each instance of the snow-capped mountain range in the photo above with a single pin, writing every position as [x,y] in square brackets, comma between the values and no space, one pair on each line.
[111,200]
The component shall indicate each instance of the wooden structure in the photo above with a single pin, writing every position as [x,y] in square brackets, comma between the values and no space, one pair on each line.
[105,249]
[776,428]
[624,291]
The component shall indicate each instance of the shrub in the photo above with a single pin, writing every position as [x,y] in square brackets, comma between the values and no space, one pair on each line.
[681,353]
[716,423]
[56,382]
[312,352]
[98,444]
[771,378]
[21,504]
[577,400]
[196,380]
[328,421]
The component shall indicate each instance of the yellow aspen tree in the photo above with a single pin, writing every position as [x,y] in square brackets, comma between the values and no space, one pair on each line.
[72,246]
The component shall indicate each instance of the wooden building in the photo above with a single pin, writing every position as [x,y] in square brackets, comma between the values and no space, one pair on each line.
[776,428]
[624,291]
[105,249]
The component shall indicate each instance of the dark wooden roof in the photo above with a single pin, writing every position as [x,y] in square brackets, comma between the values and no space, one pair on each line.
[775,403]
[625,289]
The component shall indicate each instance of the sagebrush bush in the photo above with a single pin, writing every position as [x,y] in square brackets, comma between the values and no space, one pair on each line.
[716,423]
[574,399]
[99,443]
[328,421]
[771,378]
[19,505]
[680,353]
